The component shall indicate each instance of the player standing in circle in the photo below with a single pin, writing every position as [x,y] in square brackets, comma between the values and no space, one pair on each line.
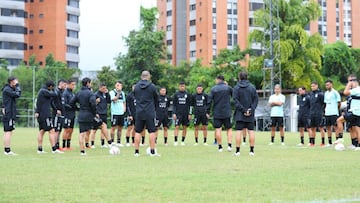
[59,102]
[10,93]
[118,109]
[303,114]
[146,97]
[162,117]
[220,96]
[201,113]
[316,110]
[43,113]
[131,110]
[246,100]
[69,115]
[332,103]
[276,102]
[181,112]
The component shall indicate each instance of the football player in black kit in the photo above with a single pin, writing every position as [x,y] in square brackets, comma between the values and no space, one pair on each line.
[69,115]
[130,109]
[59,102]
[162,117]
[181,112]
[43,113]
[303,114]
[201,113]
[102,102]
[10,93]
[316,111]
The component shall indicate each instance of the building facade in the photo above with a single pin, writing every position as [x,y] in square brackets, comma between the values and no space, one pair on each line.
[39,27]
[199,29]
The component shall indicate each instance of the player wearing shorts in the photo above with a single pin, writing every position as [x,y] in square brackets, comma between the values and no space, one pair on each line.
[303,113]
[162,117]
[201,113]
[352,89]
[10,92]
[146,97]
[276,102]
[118,109]
[131,110]
[246,100]
[87,112]
[102,102]
[181,112]
[43,113]
[69,115]
[316,110]
[332,103]
[59,102]
[220,96]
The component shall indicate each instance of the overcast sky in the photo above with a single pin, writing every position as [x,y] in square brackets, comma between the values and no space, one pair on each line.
[102,26]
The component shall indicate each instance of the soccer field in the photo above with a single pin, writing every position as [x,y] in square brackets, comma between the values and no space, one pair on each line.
[182,174]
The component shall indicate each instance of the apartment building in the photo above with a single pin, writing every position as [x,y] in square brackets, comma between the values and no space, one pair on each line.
[201,28]
[39,27]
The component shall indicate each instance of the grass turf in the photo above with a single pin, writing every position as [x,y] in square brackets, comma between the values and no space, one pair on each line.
[182,174]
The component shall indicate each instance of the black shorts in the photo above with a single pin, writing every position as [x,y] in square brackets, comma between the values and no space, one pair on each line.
[58,123]
[9,125]
[200,119]
[46,124]
[103,118]
[277,121]
[162,120]
[69,123]
[330,120]
[117,120]
[219,122]
[85,126]
[148,123]
[316,121]
[182,120]
[303,122]
[355,121]
[240,125]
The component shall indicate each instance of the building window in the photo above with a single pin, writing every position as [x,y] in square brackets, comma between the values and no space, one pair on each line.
[168,13]
[72,64]
[214,26]
[31,1]
[169,42]
[73,34]
[13,45]
[13,29]
[31,16]
[192,38]
[255,6]
[41,0]
[73,18]
[192,7]
[214,10]
[230,39]
[72,49]
[235,39]
[41,31]
[192,54]
[41,46]
[41,15]
[31,32]
[31,47]
[168,28]
[192,22]
[73,3]
[40,63]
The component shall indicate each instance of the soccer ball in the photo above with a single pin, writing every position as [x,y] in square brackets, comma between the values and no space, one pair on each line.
[114,150]
[148,151]
[339,147]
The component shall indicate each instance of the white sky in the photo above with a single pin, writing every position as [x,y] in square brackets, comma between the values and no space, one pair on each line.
[102,26]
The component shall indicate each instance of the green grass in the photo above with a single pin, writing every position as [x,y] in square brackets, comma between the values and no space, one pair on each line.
[182,174]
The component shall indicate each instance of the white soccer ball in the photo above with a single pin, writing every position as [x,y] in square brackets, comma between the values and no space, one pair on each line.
[148,151]
[114,150]
[339,147]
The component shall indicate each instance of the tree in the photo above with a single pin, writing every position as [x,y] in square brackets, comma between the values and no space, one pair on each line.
[300,53]
[146,50]
[338,60]
[107,76]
